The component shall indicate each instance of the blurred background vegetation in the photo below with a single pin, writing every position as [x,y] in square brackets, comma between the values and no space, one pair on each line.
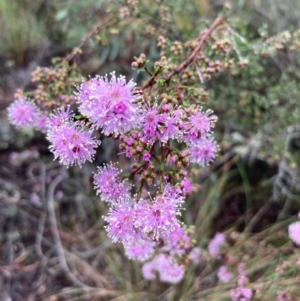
[252,187]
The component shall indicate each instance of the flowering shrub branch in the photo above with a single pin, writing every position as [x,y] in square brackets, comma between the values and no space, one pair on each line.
[162,129]
[161,133]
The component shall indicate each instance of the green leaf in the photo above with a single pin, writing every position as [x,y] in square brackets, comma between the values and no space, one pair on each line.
[160,81]
[61,14]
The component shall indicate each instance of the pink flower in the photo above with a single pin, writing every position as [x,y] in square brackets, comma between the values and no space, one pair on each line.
[148,270]
[242,280]
[23,113]
[187,185]
[151,118]
[121,221]
[159,218]
[163,126]
[110,104]
[168,268]
[35,199]
[109,186]
[199,124]
[294,232]
[170,129]
[203,151]
[139,249]
[281,296]
[173,193]
[59,117]
[195,255]
[146,156]
[224,275]
[215,244]
[41,122]
[72,143]
[241,293]
[177,242]
[87,94]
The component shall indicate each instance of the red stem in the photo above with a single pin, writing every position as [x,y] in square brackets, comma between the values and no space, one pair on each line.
[218,21]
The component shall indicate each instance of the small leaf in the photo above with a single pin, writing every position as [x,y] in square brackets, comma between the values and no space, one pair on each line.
[78,117]
[161,81]
[60,15]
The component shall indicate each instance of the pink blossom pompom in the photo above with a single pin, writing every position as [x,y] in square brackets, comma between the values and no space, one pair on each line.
[23,113]
[159,218]
[59,117]
[294,232]
[110,104]
[241,293]
[121,220]
[199,124]
[224,275]
[186,185]
[177,242]
[108,184]
[151,119]
[169,270]
[195,255]
[203,151]
[72,143]
[41,122]
[170,129]
[167,267]
[139,249]
[215,244]
[148,270]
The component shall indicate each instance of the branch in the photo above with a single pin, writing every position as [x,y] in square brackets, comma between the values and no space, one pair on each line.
[218,21]
[93,31]
[42,220]
[54,229]
[151,81]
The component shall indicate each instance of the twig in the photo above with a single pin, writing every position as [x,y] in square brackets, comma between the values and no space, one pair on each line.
[255,219]
[57,241]
[151,81]
[42,220]
[218,21]
[93,31]
[79,291]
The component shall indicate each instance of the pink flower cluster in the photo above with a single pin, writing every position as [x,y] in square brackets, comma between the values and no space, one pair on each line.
[241,293]
[163,123]
[128,219]
[147,226]
[142,225]
[110,104]
[169,270]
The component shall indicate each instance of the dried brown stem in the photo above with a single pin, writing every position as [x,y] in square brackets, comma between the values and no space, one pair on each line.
[218,21]
[151,81]
[93,31]
[57,241]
